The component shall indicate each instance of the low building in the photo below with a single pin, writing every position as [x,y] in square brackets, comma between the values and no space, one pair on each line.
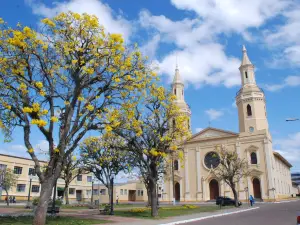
[79,189]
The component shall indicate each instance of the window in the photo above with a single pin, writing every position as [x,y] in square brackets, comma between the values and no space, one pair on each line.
[176,165]
[17,170]
[95,191]
[174,123]
[31,172]
[35,188]
[182,92]
[89,178]
[125,192]
[142,193]
[189,127]
[249,111]
[79,178]
[175,91]
[253,158]
[71,191]
[246,74]
[139,192]
[103,191]
[21,187]
[121,191]
[88,192]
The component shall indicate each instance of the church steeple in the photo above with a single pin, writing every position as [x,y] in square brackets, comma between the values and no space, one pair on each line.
[247,69]
[178,91]
[250,100]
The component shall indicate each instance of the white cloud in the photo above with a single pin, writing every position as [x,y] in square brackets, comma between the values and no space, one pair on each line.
[214,114]
[203,64]
[285,38]
[112,23]
[290,81]
[289,148]
[150,48]
[234,104]
[198,129]
[233,15]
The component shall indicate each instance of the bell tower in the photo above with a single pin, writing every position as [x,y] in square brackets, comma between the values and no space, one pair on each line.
[178,91]
[250,99]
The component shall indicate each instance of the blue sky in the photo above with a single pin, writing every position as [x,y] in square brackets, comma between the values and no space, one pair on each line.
[207,37]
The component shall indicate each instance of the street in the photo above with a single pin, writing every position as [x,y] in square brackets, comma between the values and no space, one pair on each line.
[273,214]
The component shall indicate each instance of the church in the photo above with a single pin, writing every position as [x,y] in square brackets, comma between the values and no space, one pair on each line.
[270,176]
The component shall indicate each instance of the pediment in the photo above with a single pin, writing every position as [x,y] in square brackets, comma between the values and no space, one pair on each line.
[210,132]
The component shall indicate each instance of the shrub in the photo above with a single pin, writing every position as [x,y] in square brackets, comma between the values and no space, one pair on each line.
[190,206]
[138,210]
[35,201]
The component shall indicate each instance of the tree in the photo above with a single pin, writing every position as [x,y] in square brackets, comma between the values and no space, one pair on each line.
[151,135]
[72,168]
[231,169]
[60,81]
[105,161]
[9,180]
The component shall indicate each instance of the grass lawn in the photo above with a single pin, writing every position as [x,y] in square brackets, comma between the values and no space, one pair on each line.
[51,221]
[167,212]
[115,206]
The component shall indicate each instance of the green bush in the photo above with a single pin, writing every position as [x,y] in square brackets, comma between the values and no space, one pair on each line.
[36,200]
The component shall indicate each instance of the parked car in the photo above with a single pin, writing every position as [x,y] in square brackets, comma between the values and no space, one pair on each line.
[226,201]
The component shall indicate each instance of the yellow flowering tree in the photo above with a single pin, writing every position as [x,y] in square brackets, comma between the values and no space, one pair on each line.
[231,169]
[61,81]
[103,157]
[151,135]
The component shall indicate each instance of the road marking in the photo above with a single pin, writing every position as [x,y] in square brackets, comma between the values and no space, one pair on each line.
[208,217]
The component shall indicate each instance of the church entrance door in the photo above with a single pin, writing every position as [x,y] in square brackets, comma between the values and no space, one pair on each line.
[177,192]
[256,188]
[214,189]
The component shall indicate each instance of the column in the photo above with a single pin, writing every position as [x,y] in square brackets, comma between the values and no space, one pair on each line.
[268,155]
[262,187]
[181,191]
[186,175]
[198,172]
[250,188]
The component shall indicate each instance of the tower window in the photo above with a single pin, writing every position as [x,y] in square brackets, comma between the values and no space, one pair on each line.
[249,110]
[182,92]
[253,158]
[246,74]
[174,91]
[174,123]
[176,165]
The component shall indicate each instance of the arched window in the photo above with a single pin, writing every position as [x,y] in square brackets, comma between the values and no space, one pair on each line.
[174,91]
[176,165]
[174,123]
[253,158]
[249,111]
[246,74]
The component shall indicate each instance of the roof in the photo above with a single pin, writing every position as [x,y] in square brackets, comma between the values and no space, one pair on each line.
[245,59]
[18,157]
[282,159]
[177,78]
[215,129]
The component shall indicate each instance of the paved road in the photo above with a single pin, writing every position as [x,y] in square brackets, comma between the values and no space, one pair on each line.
[273,214]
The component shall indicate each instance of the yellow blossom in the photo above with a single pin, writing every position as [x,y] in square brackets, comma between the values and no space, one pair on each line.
[39,84]
[48,22]
[31,150]
[90,107]
[108,128]
[27,110]
[42,93]
[56,150]
[80,98]
[39,123]
[54,119]
[1,20]
[67,103]
[36,107]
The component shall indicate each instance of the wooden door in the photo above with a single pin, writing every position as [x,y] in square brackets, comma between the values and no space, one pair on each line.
[177,192]
[256,188]
[214,189]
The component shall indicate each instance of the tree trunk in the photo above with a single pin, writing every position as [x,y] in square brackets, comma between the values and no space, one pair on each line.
[109,194]
[149,197]
[67,194]
[153,194]
[7,200]
[236,200]
[41,210]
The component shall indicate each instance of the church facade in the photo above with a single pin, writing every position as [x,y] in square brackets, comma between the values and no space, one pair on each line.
[269,177]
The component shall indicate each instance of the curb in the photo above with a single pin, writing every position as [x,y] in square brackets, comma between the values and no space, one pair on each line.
[208,217]
[286,201]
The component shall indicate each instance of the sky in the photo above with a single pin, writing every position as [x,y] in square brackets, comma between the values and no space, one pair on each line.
[206,37]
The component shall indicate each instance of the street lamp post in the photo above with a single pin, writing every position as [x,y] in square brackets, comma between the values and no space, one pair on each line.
[112,196]
[246,192]
[28,199]
[92,198]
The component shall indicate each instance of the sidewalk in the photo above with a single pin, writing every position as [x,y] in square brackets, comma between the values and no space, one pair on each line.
[188,217]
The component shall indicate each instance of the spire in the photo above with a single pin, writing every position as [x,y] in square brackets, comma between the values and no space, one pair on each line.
[245,60]
[177,78]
